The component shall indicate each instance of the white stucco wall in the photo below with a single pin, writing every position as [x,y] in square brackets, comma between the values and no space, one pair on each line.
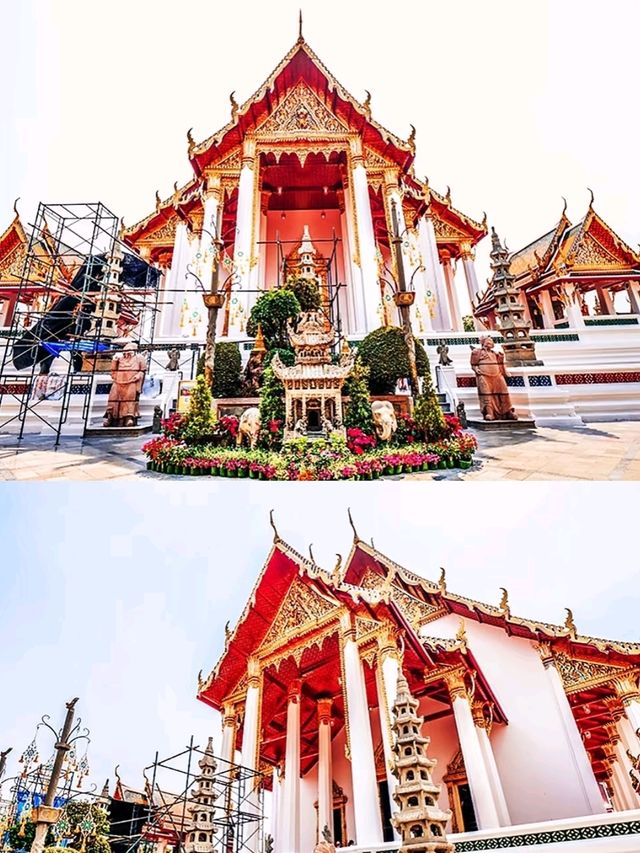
[533,758]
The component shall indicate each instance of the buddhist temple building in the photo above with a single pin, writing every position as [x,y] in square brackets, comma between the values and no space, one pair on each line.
[302,155]
[528,722]
[572,276]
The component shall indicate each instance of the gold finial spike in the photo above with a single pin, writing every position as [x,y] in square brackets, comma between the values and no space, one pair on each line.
[356,538]
[227,633]
[447,197]
[234,106]
[367,102]
[504,601]
[15,208]
[312,558]
[191,141]
[345,349]
[372,545]
[335,574]
[569,623]
[158,200]
[442,582]
[276,535]
[461,633]
[591,193]
[484,218]
[175,188]
[300,36]
[564,209]
[412,137]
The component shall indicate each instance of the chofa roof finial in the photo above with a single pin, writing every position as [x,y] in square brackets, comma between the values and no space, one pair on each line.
[564,201]
[15,207]
[276,535]
[300,36]
[591,193]
[356,538]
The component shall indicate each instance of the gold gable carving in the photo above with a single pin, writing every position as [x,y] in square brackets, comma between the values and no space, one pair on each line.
[232,162]
[164,233]
[365,626]
[11,265]
[580,674]
[446,231]
[590,253]
[416,612]
[300,608]
[301,111]
[371,580]
[375,162]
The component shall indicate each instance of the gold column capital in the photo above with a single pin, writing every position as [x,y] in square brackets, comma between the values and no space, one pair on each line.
[325,704]
[347,627]
[294,691]
[253,672]
[388,644]
[229,715]
[213,186]
[626,687]
[467,252]
[546,655]
[249,152]
[454,681]
[615,707]
[355,149]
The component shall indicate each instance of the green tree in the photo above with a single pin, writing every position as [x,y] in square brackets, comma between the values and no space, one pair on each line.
[384,352]
[227,370]
[358,411]
[272,410]
[90,827]
[272,311]
[21,835]
[306,291]
[467,323]
[200,421]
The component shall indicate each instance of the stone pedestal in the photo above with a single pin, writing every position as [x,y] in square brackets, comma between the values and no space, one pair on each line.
[446,382]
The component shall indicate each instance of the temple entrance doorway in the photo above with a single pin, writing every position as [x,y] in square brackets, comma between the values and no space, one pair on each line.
[385,810]
[463,818]
[314,416]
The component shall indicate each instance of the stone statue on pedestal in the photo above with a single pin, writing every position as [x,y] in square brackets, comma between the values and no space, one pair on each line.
[127,372]
[491,376]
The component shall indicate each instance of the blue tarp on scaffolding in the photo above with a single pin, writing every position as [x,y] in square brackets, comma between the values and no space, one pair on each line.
[55,349]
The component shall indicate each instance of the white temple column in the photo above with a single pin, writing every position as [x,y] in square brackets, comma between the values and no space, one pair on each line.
[479,783]
[290,824]
[251,745]
[628,693]
[229,727]
[276,807]
[590,790]
[572,307]
[434,277]
[468,258]
[177,282]
[633,292]
[358,323]
[482,730]
[546,306]
[363,769]
[325,768]
[450,283]
[387,668]
[604,300]
[365,241]
[243,249]
[621,766]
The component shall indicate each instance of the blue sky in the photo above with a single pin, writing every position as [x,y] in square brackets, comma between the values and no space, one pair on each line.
[119,594]
[514,104]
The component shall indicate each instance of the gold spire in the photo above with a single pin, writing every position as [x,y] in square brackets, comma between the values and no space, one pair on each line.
[300,36]
[570,624]
[504,601]
[259,345]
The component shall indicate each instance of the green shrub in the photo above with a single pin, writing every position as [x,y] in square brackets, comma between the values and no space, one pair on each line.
[227,370]
[272,410]
[306,292]
[428,416]
[200,421]
[272,311]
[287,356]
[384,352]
[358,411]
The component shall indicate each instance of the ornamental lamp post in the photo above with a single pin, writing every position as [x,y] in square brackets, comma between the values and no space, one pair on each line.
[404,299]
[3,761]
[46,814]
[213,301]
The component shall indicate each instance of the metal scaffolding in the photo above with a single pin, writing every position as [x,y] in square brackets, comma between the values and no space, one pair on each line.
[80,289]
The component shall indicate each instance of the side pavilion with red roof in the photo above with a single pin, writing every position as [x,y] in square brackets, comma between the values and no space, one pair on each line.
[300,152]
[528,721]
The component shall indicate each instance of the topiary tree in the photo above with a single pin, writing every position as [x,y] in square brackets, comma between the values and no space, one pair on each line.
[227,370]
[272,311]
[306,291]
[358,410]
[272,410]
[384,352]
[21,835]
[90,824]
[287,356]
[200,421]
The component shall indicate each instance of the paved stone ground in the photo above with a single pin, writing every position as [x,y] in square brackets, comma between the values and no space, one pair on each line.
[608,451]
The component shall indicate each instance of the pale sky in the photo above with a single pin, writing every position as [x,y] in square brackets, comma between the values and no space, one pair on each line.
[119,595]
[515,103]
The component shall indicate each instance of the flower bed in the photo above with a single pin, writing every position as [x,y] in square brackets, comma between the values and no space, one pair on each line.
[304,459]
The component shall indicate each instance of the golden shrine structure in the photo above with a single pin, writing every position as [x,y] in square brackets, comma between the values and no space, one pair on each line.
[308,678]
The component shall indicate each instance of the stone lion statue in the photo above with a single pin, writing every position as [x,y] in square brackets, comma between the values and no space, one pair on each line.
[384,419]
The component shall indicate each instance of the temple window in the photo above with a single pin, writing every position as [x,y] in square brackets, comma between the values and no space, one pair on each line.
[202,836]
[435,829]
[416,831]
[413,801]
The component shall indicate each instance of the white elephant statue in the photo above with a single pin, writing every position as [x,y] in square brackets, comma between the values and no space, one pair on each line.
[249,427]
[384,419]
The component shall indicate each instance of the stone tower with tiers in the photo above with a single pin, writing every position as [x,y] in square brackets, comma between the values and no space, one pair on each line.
[519,349]
[420,821]
[201,837]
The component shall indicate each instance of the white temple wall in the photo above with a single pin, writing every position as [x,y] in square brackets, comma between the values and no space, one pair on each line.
[308,812]
[534,761]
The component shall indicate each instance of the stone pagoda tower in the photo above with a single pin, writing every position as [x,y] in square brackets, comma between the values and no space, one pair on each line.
[420,821]
[201,837]
[519,349]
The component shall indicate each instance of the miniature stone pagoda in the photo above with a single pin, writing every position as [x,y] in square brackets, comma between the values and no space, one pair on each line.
[519,349]
[420,821]
[313,385]
[201,837]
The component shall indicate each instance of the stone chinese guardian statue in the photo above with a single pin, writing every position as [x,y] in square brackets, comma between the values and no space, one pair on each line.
[127,372]
[491,376]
